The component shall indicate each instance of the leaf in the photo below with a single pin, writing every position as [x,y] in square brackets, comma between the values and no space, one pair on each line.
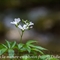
[23,49]
[11,53]
[38,47]
[30,41]
[1,46]
[4,45]
[37,50]
[14,43]
[2,51]
[41,48]
[28,49]
[8,43]
[20,45]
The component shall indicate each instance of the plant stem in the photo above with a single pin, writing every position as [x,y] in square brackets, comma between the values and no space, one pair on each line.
[21,36]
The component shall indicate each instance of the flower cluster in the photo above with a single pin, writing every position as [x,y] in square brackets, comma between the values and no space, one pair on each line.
[27,25]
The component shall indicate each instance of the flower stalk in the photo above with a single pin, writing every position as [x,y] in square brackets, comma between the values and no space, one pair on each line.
[21,36]
[26,25]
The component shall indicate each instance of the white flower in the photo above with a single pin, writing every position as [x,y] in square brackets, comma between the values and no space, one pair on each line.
[16,21]
[24,27]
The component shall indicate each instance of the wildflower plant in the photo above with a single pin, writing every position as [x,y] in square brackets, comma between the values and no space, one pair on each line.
[22,48]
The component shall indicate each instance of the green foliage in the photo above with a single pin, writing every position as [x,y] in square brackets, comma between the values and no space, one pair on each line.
[20,45]
[8,47]
[35,48]
[30,47]
[27,47]
[11,53]
[2,50]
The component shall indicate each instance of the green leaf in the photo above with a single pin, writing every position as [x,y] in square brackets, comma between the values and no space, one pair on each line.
[28,49]
[4,45]
[30,41]
[11,53]
[41,48]
[38,47]
[20,45]
[1,46]
[14,43]
[8,43]
[2,51]
[37,50]
[23,49]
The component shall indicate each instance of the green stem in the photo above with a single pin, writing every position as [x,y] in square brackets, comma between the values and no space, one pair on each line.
[21,36]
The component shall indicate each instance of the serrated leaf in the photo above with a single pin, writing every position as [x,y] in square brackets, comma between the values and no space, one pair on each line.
[11,53]
[8,43]
[2,51]
[14,43]
[4,45]
[30,42]
[37,50]
[20,45]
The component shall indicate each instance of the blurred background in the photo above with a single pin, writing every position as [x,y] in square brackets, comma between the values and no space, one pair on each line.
[45,14]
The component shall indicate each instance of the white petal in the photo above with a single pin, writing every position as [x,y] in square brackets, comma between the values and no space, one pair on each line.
[19,26]
[17,20]
[25,26]
[13,23]
[31,26]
